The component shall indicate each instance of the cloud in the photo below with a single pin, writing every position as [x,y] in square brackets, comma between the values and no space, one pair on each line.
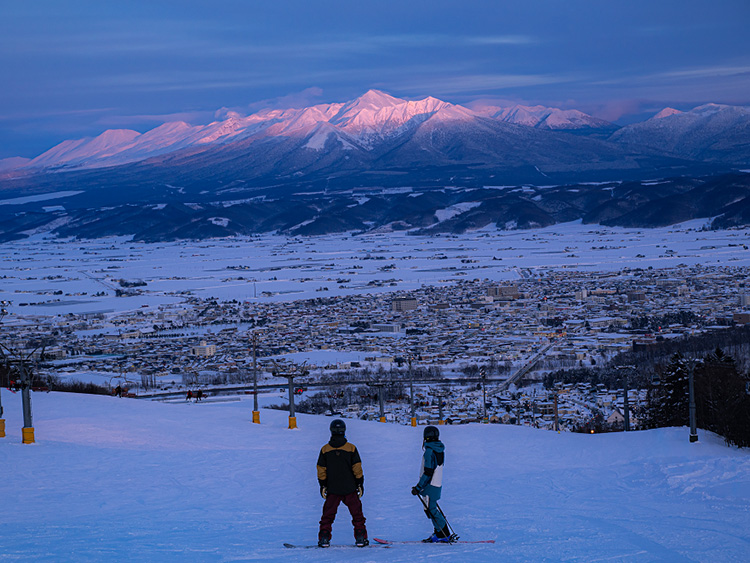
[705,72]
[470,83]
[304,98]
[678,75]
[53,114]
[192,117]
[616,109]
[502,40]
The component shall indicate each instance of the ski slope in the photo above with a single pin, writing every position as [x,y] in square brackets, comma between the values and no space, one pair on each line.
[125,480]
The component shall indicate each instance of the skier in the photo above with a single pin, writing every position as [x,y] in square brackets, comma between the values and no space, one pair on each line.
[341,480]
[189,395]
[430,483]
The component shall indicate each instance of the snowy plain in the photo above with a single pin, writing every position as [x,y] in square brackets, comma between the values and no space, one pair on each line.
[272,268]
[130,480]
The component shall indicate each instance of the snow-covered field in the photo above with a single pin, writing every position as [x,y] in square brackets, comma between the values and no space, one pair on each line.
[54,277]
[126,480]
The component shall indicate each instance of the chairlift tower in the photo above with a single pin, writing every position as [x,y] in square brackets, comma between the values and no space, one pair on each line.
[3,312]
[483,376]
[411,392]
[691,393]
[379,386]
[2,420]
[440,395]
[556,399]
[626,399]
[21,364]
[256,410]
[294,371]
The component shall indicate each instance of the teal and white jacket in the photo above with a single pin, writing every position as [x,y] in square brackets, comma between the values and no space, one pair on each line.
[431,474]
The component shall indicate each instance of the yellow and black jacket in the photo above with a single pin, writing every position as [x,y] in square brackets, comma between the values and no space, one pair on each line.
[340,467]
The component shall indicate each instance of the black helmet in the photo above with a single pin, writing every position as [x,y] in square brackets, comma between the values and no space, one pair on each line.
[338,427]
[431,433]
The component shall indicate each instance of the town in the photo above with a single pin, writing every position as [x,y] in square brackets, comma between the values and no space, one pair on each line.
[471,350]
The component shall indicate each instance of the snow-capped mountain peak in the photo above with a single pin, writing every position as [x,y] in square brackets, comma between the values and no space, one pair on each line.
[542,117]
[372,99]
[80,150]
[666,112]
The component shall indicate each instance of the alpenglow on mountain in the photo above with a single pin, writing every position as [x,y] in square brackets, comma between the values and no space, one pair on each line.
[360,123]
[381,134]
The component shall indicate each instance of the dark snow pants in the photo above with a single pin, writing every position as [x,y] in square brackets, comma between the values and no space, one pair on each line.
[331,506]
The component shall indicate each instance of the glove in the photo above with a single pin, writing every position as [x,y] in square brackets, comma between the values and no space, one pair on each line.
[323,491]
[416,491]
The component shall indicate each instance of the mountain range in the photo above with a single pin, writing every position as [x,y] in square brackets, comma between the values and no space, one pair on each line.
[304,170]
[375,121]
[363,123]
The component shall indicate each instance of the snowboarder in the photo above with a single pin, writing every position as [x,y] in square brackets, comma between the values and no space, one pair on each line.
[189,395]
[341,480]
[199,395]
[430,483]
[118,391]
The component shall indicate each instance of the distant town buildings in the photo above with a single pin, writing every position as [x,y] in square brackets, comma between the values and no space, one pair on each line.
[400,304]
[503,292]
[204,350]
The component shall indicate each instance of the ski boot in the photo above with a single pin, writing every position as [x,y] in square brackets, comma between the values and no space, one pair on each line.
[360,540]
[434,538]
[441,536]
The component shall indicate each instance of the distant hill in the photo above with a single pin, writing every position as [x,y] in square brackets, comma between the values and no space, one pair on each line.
[724,201]
[709,133]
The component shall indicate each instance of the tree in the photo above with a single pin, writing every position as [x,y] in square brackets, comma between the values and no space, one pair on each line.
[722,404]
[668,401]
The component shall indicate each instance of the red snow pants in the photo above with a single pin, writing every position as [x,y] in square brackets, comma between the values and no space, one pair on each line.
[331,506]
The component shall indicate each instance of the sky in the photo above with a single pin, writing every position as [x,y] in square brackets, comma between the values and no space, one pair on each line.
[74,69]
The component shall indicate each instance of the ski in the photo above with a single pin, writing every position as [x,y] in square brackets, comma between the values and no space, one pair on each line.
[381,541]
[332,546]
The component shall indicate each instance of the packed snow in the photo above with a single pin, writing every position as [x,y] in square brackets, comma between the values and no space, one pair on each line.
[125,479]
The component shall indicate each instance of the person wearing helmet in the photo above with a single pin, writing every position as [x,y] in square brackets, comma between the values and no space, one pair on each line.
[430,483]
[341,480]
